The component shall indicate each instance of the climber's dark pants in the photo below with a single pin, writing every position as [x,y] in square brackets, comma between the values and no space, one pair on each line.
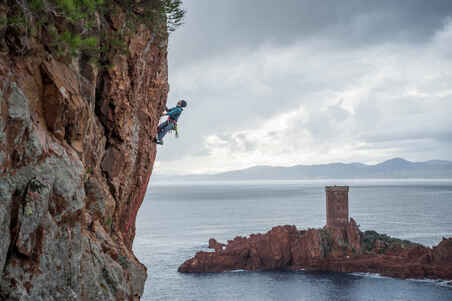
[164,128]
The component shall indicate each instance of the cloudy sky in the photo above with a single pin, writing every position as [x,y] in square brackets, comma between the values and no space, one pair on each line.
[307,82]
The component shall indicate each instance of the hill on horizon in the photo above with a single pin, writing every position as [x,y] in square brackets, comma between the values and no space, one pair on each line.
[393,168]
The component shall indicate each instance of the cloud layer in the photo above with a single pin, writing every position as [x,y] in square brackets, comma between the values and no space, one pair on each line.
[304,84]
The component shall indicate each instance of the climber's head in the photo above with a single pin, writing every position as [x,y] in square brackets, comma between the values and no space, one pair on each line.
[182,103]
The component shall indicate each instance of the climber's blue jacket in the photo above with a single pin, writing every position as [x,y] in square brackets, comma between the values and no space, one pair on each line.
[174,113]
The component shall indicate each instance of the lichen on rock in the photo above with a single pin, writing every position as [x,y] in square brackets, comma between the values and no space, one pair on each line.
[75,157]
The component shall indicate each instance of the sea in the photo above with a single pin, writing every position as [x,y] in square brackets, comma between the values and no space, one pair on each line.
[177,219]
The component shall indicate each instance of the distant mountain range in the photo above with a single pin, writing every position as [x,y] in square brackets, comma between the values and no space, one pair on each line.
[394,168]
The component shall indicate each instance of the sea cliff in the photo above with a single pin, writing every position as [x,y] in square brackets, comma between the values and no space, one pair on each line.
[344,249]
[76,119]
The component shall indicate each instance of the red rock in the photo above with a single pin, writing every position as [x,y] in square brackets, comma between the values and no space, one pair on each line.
[443,251]
[213,244]
[327,249]
[84,133]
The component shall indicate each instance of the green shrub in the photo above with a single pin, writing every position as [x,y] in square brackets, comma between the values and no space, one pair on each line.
[73,28]
[370,237]
[174,13]
[74,43]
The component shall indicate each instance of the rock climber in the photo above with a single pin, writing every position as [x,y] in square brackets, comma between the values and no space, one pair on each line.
[171,123]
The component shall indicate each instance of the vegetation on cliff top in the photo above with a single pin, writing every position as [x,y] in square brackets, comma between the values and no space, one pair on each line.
[370,238]
[89,27]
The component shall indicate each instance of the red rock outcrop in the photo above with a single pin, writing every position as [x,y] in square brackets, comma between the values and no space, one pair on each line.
[328,249]
[213,244]
[75,161]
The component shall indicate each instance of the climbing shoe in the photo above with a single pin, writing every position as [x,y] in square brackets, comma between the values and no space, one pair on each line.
[155,140]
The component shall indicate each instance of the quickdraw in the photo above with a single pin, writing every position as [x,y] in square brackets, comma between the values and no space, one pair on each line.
[176,133]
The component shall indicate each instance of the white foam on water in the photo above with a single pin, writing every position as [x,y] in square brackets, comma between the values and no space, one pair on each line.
[439,282]
[370,275]
[445,283]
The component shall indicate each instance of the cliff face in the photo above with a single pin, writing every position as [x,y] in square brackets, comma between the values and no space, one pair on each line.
[328,249]
[75,160]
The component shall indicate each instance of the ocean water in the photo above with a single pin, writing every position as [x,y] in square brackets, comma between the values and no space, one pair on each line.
[177,220]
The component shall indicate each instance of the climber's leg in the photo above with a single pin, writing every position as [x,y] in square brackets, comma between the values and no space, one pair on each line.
[163,129]
[162,125]
[160,133]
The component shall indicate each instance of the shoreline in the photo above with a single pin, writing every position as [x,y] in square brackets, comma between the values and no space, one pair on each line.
[326,249]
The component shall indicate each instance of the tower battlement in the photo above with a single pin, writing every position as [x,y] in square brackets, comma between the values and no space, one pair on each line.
[336,206]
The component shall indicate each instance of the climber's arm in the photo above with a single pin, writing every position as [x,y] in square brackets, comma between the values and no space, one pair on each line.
[168,111]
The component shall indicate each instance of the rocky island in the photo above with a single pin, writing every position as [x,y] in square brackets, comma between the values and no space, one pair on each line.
[340,246]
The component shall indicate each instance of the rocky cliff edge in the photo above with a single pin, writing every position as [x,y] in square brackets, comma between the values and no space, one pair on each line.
[75,154]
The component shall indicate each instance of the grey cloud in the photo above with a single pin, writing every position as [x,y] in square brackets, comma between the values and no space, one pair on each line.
[237,143]
[202,152]
[321,123]
[337,113]
[232,55]
[215,27]
[416,135]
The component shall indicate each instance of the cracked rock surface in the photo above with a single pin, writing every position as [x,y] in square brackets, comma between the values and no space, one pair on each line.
[75,160]
[344,249]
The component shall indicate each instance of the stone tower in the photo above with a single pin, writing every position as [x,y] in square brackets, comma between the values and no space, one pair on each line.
[336,206]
